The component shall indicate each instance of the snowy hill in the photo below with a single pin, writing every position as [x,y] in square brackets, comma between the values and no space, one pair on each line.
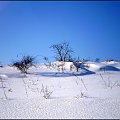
[90,93]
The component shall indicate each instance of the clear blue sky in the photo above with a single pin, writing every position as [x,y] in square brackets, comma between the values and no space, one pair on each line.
[92,28]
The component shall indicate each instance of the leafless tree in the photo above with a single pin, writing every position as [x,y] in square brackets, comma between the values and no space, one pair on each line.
[63,51]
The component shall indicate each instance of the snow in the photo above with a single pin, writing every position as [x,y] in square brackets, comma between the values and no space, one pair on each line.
[60,108]
[74,94]
[68,64]
[3,76]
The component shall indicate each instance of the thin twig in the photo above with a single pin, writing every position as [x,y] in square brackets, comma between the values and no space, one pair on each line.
[114,84]
[83,84]
[3,88]
[103,79]
[81,80]
[25,87]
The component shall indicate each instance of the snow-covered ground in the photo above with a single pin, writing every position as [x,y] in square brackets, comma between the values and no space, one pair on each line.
[84,94]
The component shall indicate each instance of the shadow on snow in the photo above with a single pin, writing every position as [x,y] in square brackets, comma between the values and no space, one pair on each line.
[110,68]
[64,74]
[16,75]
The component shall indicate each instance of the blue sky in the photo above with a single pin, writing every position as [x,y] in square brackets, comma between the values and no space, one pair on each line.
[92,28]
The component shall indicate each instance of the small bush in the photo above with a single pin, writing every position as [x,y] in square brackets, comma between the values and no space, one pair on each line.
[25,63]
[97,60]
[48,64]
[45,92]
[1,65]
[82,95]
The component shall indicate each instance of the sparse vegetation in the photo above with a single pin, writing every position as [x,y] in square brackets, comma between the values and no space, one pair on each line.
[3,87]
[97,60]
[108,83]
[25,87]
[110,60]
[47,63]
[45,92]
[24,64]
[82,95]
[1,64]
[77,63]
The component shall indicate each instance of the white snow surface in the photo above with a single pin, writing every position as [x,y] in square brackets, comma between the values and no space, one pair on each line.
[3,76]
[74,94]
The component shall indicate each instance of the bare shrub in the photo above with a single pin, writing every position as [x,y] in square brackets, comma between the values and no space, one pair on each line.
[77,64]
[80,80]
[25,63]
[45,92]
[3,87]
[47,63]
[1,64]
[108,83]
[97,60]
[82,95]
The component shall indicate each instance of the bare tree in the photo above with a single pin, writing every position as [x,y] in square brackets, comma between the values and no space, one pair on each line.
[62,51]
[25,63]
